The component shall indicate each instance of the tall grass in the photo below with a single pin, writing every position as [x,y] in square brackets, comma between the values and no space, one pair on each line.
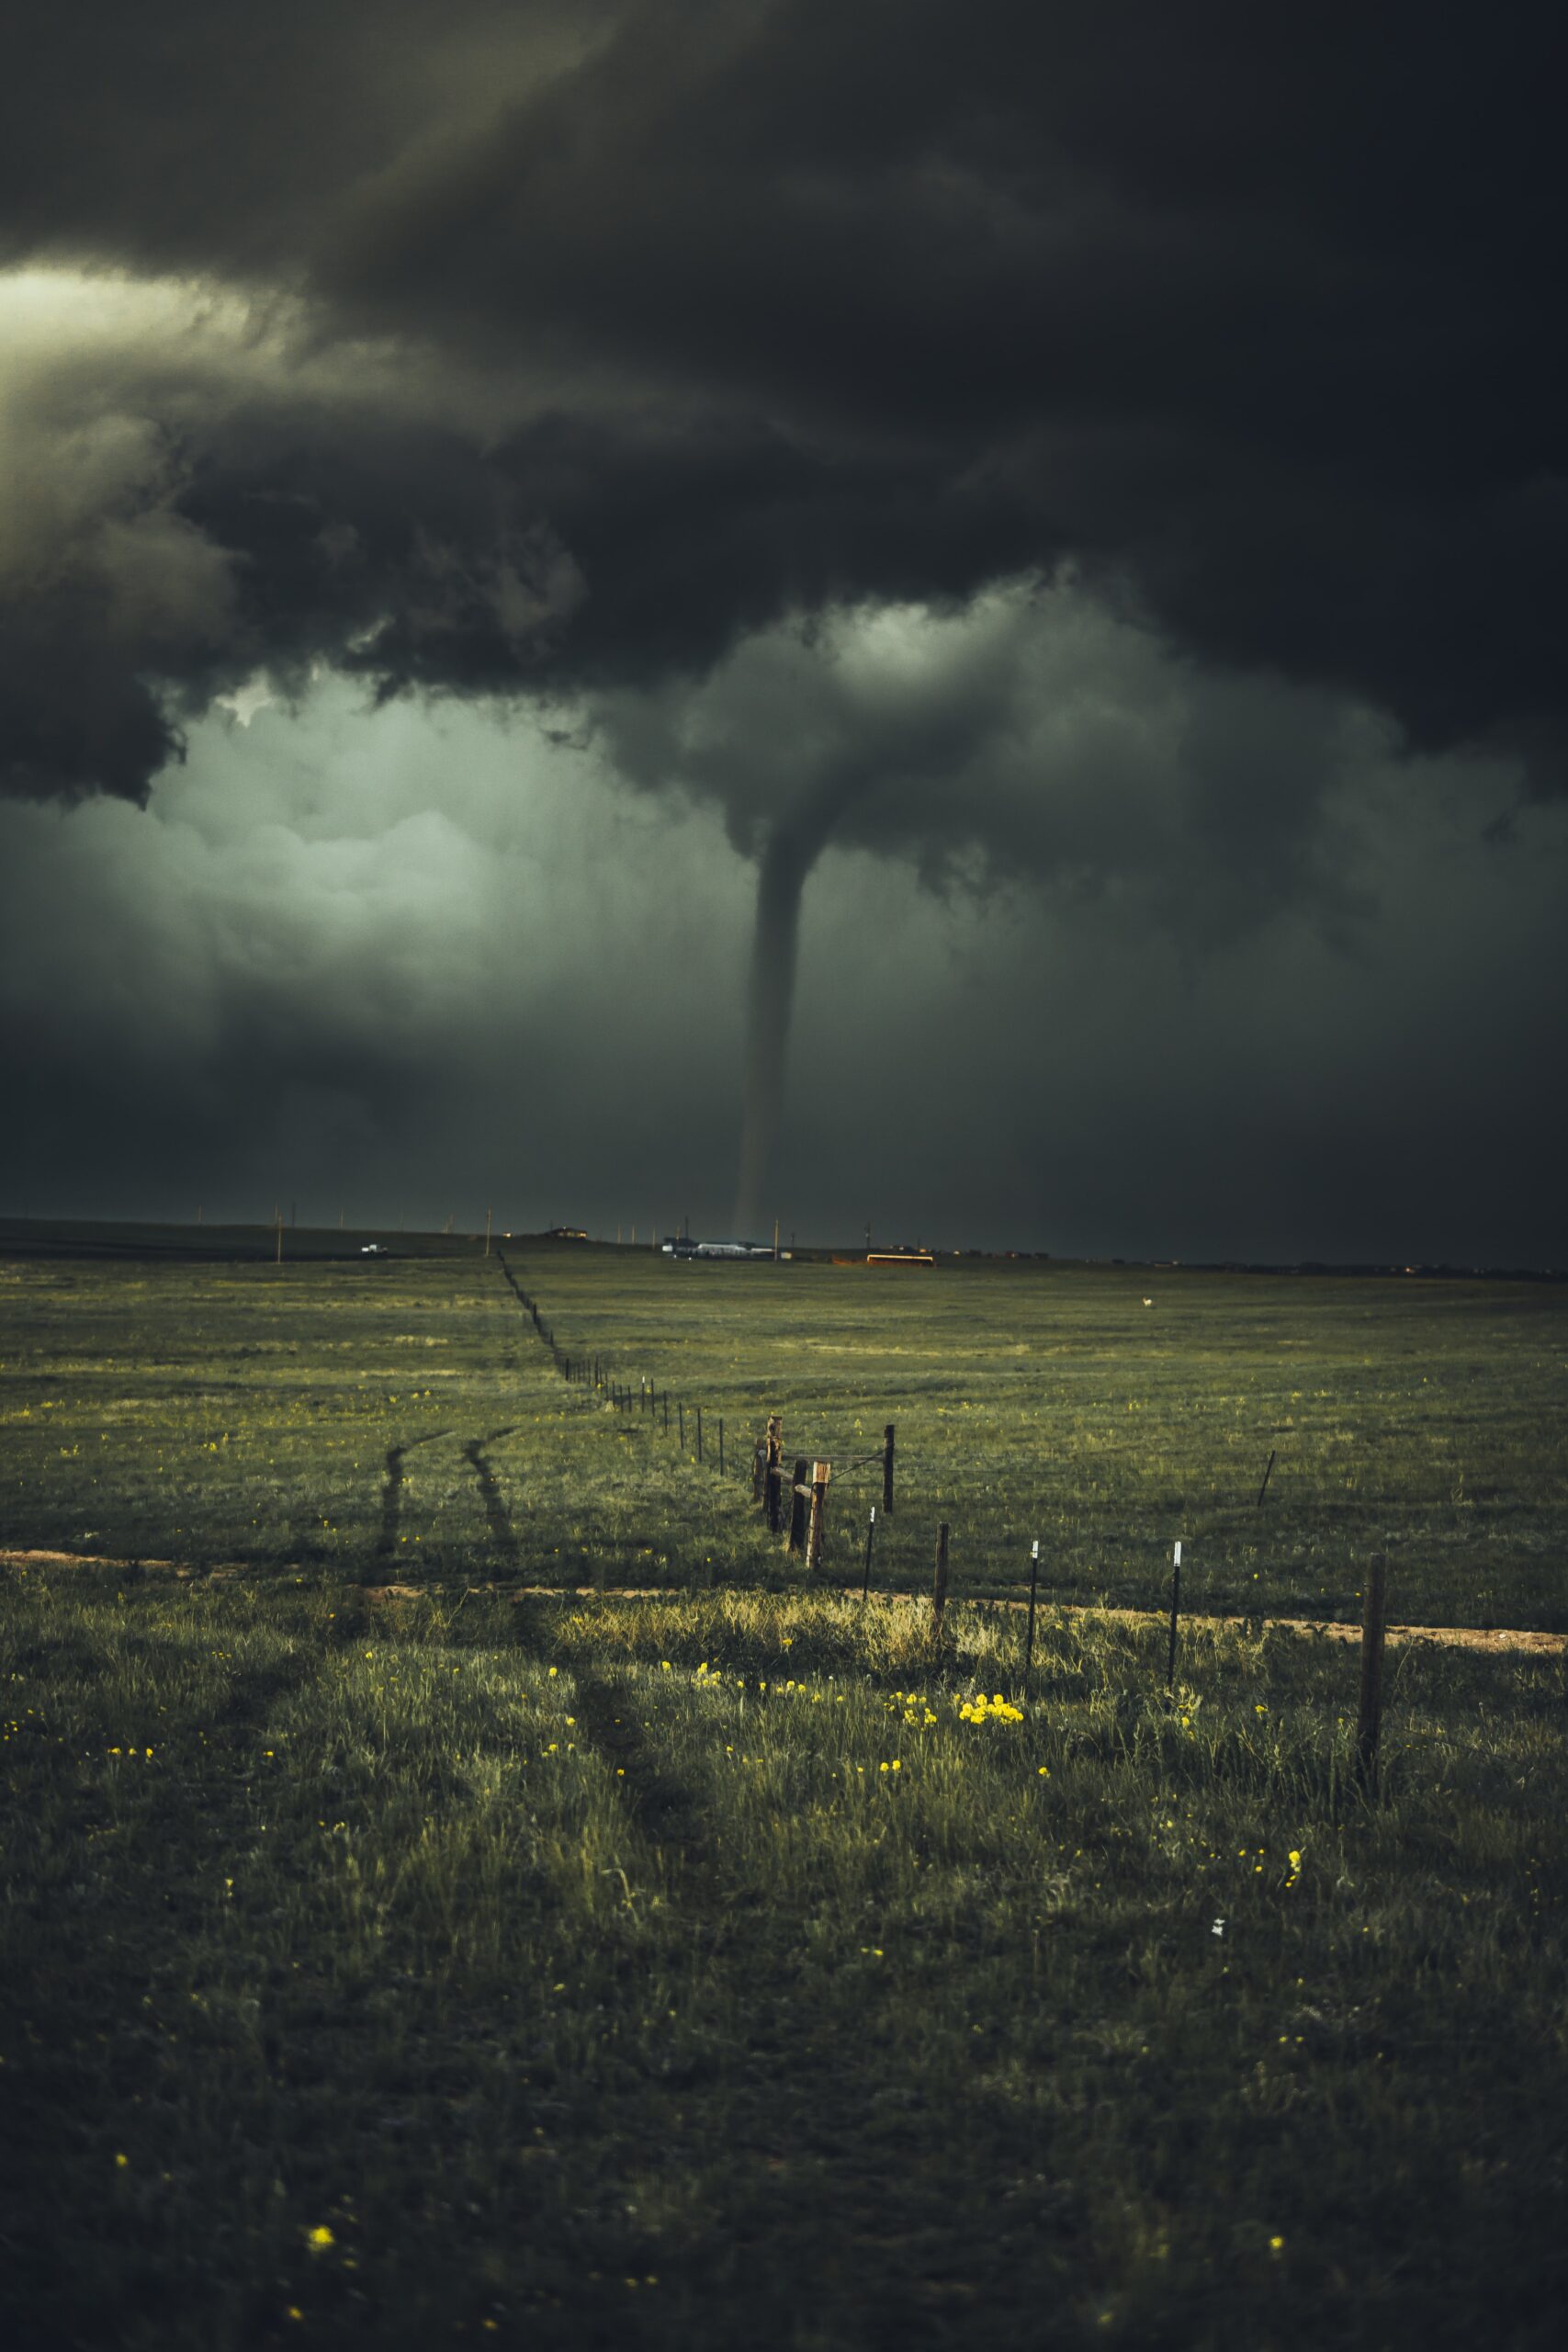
[575,1972]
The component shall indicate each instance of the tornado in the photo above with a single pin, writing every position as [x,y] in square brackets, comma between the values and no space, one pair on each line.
[792,850]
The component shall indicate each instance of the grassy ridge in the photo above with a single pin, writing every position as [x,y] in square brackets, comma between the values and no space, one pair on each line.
[710,1971]
[402,1418]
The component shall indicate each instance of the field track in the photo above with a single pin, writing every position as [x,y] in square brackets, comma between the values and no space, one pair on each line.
[1468,1637]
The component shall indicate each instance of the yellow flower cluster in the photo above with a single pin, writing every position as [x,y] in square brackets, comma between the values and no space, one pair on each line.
[981,1710]
[913,1705]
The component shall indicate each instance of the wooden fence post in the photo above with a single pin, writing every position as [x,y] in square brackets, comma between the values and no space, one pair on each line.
[939,1584]
[773,1478]
[870,1539]
[1029,1636]
[887,1471]
[821,1472]
[800,1494]
[1174,1613]
[1368,1722]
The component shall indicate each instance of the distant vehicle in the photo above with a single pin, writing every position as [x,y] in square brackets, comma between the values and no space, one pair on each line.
[567,1233]
[371,1249]
[899,1258]
[678,1245]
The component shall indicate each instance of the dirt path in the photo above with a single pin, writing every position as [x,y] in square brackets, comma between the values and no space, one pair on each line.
[1468,1637]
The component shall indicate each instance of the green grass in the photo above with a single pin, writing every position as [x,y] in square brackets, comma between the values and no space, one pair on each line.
[578,1967]
[704,1970]
[387,1420]
[404,1419]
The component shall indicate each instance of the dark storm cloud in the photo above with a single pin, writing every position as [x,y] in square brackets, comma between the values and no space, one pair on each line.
[1056,455]
[1250,315]
[410,961]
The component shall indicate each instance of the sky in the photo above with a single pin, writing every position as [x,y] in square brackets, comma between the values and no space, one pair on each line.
[937,619]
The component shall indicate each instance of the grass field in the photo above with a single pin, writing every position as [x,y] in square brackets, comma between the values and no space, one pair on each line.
[735,1966]
[404,1416]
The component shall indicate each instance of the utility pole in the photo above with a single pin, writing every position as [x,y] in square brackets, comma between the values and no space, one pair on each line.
[489,1214]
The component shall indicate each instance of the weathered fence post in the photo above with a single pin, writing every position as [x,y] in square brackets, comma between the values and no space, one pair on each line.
[1029,1636]
[870,1539]
[773,1478]
[800,1494]
[1368,1722]
[939,1584]
[887,1471]
[821,1472]
[1174,1613]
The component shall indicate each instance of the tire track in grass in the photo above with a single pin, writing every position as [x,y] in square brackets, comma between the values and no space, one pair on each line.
[771,2070]
[392,1491]
[658,1803]
[503,1535]
[665,1810]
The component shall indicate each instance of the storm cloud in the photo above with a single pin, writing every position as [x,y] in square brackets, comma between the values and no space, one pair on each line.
[1079,450]
[717,313]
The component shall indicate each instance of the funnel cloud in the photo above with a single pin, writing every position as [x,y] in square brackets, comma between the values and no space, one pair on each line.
[1115,452]
[792,849]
